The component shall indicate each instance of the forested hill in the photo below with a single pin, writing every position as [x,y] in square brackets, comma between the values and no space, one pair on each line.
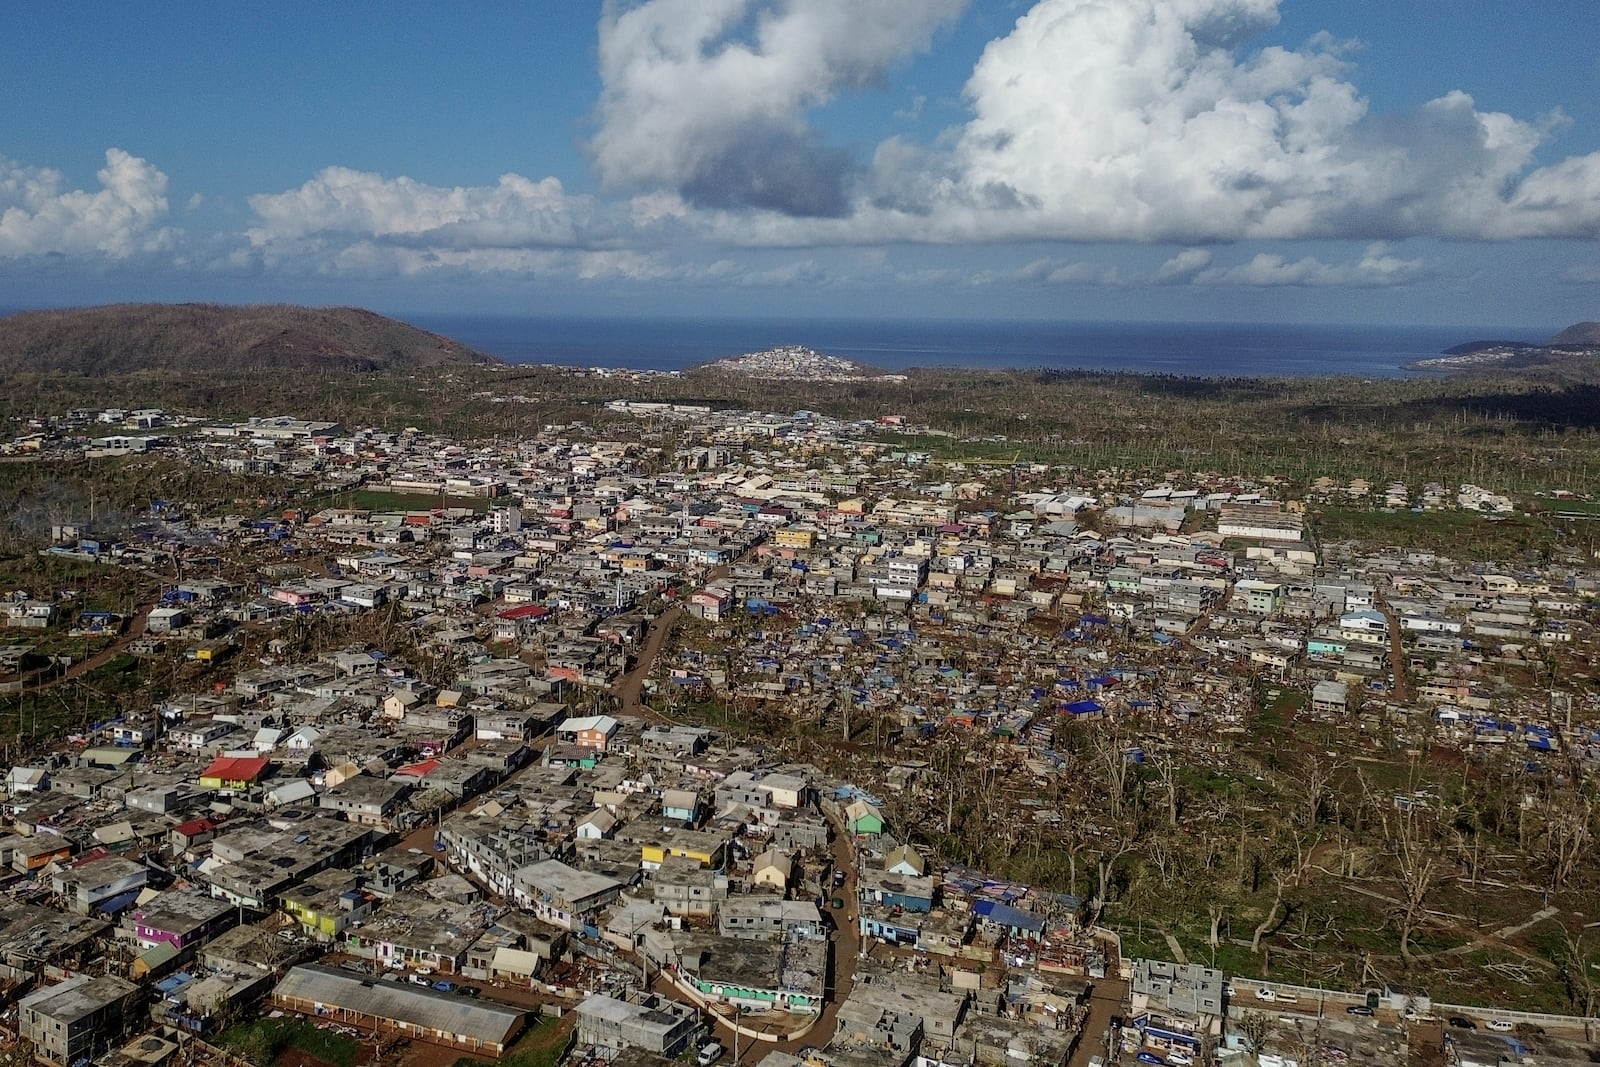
[217,339]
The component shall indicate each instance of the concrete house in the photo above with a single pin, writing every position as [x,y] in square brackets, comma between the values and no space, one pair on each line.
[68,1021]
[598,824]
[366,800]
[665,1030]
[863,819]
[180,919]
[591,731]
[686,888]
[772,870]
[561,895]
[99,883]
[763,918]
[904,860]
[680,804]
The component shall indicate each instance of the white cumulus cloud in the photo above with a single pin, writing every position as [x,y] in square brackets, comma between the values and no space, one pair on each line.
[1184,265]
[1161,121]
[1147,120]
[39,215]
[515,212]
[1378,266]
[1047,271]
[709,97]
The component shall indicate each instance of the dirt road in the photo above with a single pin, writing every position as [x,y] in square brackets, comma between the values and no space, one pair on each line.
[135,630]
[629,689]
[1104,1003]
[1397,655]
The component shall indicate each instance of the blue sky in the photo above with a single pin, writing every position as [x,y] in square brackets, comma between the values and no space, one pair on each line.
[1403,161]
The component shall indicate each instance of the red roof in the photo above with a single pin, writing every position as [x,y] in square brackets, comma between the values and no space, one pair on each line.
[420,770]
[525,611]
[195,827]
[236,768]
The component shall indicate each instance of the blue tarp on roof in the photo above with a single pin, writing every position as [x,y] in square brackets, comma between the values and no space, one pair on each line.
[118,902]
[1083,707]
[993,911]
[174,982]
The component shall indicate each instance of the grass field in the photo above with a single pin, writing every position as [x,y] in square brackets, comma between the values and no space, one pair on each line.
[377,500]
[264,1040]
[544,1045]
[1458,534]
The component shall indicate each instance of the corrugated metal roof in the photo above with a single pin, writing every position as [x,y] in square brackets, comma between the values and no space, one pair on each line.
[426,1008]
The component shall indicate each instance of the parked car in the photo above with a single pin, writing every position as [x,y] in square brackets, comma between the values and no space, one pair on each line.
[1263,993]
[468,991]
[1180,1059]
[1461,1022]
[445,987]
[1359,1009]
[420,979]
[838,877]
[1499,1026]
[1150,1057]
[710,1053]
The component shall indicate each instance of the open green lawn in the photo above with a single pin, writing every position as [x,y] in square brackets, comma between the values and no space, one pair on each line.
[377,500]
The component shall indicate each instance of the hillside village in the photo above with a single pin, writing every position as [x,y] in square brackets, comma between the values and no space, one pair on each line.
[725,738]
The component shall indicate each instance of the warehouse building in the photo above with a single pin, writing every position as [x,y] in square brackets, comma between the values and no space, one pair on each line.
[399,1008]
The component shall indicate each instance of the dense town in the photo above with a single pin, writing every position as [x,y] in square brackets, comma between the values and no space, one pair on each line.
[720,740]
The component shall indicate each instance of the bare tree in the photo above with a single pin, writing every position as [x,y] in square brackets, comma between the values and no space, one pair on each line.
[1110,754]
[1568,835]
[1418,871]
[1166,771]
[1578,965]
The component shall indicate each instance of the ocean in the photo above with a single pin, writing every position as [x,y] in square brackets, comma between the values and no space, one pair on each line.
[1198,349]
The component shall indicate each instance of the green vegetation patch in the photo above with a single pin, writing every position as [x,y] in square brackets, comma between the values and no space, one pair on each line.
[544,1045]
[377,500]
[264,1040]
[1459,534]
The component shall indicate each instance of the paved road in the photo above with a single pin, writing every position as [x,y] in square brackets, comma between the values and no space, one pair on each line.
[846,948]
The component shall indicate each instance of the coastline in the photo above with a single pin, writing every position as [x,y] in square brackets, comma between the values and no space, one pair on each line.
[1206,350]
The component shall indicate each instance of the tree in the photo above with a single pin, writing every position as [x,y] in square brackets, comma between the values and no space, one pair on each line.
[1418,870]
[1578,966]
[1255,1026]
[1568,835]
[1216,911]
[1110,753]
[1282,883]
[1166,772]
